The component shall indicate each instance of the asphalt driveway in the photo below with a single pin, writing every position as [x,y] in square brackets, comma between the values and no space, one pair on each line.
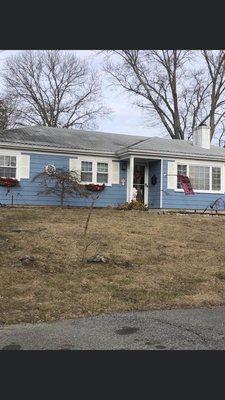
[193,329]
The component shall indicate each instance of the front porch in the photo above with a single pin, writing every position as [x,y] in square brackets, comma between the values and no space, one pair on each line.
[145,176]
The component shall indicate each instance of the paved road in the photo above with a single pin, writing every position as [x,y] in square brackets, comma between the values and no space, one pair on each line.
[193,329]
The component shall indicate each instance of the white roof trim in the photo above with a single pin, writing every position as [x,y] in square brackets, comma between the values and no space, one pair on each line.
[119,155]
[165,154]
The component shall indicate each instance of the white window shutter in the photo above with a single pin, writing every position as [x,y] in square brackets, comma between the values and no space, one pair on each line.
[24,166]
[75,165]
[115,172]
[171,175]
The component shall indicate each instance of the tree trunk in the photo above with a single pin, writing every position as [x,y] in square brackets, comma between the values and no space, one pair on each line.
[62,195]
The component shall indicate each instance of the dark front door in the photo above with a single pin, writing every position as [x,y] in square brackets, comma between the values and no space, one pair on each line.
[139,181]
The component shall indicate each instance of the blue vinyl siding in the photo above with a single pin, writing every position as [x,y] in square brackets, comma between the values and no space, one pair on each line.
[154,190]
[26,193]
[173,199]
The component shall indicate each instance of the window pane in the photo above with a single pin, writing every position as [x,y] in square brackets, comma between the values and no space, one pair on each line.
[102,167]
[102,178]
[7,161]
[86,176]
[86,171]
[86,166]
[12,172]
[199,177]
[181,170]
[13,161]
[7,172]
[216,178]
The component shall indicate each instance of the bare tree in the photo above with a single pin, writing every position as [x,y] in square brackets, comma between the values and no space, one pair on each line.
[215,62]
[3,115]
[219,137]
[53,88]
[171,87]
[60,183]
[8,113]
[85,242]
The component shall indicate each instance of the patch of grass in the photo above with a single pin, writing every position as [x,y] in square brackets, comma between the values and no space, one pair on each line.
[220,276]
[178,263]
[129,295]
[3,236]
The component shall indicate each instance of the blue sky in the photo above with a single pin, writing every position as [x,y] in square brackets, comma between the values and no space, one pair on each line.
[125,118]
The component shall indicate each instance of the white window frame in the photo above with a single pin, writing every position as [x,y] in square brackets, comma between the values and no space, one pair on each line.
[220,177]
[12,154]
[203,164]
[103,173]
[210,177]
[94,161]
[86,182]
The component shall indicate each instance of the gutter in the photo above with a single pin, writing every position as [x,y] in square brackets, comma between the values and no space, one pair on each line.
[119,155]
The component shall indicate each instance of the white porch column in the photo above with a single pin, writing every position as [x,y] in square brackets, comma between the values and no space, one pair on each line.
[131,179]
[146,183]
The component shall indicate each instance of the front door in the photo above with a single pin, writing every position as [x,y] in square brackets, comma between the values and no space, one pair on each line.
[139,181]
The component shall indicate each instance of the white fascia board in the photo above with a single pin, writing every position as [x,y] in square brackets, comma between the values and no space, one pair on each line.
[9,152]
[206,163]
[165,155]
[118,155]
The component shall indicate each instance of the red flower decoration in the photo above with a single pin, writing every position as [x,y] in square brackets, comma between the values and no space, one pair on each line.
[95,188]
[9,182]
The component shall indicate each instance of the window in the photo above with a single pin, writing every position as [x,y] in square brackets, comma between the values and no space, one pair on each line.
[86,171]
[199,177]
[181,170]
[216,178]
[205,178]
[102,172]
[8,166]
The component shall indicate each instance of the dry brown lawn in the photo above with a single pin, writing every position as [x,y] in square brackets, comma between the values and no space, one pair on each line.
[181,262]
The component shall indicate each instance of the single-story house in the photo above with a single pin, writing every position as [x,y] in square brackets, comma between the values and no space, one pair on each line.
[120,161]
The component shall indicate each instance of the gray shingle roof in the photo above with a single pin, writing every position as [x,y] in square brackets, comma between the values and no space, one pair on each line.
[68,138]
[40,136]
[176,146]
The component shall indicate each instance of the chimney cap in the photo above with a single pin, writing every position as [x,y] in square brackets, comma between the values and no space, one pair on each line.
[203,124]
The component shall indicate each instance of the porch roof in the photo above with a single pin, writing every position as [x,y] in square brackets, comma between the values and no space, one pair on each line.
[168,147]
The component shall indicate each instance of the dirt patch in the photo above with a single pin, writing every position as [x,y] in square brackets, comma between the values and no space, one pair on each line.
[127,330]
[178,262]
[12,346]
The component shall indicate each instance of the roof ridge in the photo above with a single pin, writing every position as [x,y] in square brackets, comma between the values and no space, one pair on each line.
[71,131]
[140,141]
[81,131]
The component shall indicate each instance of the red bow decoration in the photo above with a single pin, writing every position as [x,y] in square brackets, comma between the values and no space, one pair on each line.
[186,184]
